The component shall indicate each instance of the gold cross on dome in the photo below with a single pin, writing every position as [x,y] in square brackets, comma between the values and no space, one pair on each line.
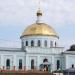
[39,3]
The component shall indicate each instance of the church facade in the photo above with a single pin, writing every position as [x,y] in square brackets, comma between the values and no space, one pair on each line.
[40,50]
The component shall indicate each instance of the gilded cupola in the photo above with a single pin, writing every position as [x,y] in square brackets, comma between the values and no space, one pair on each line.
[39,28]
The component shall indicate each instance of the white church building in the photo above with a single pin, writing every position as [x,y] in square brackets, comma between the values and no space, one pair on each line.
[39,50]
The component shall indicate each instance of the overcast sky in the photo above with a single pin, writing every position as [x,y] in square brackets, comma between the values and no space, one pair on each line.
[16,15]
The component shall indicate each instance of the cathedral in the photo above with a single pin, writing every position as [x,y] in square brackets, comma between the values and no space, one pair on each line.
[39,50]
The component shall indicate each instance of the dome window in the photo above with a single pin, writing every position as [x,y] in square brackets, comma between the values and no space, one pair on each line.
[51,43]
[26,43]
[45,43]
[32,43]
[55,44]
[39,43]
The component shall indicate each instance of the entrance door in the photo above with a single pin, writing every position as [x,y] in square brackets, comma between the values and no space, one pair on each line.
[46,67]
[45,64]
[8,64]
[32,64]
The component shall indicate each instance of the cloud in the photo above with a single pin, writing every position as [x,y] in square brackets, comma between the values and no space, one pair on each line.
[61,11]
[21,11]
[17,14]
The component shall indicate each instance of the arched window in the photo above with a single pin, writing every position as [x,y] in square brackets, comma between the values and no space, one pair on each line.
[72,65]
[58,64]
[51,43]
[55,44]
[32,43]
[39,43]
[8,64]
[22,45]
[26,43]
[20,63]
[32,64]
[45,43]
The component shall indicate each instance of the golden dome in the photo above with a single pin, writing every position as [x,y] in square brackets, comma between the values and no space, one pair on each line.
[39,29]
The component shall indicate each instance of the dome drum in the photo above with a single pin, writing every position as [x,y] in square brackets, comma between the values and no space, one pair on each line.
[45,41]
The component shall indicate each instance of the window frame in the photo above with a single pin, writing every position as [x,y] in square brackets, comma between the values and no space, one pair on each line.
[32,43]
[8,64]
[45,43]
[39,43]
[20,63]
[32,64]
[26,43]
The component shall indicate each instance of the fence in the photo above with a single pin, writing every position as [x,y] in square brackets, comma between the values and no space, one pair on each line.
[22,68]
[12,68]
[24,73]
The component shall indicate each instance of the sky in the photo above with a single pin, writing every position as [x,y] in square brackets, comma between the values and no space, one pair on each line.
[16,15]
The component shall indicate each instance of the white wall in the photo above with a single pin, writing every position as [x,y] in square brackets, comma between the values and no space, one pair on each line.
[14,58]
[70,59]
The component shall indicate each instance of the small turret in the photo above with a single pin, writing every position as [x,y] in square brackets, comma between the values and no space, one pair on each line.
[39,16]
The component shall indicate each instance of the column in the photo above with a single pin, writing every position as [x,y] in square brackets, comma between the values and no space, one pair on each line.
[66,60]
[52,64]
[14,63]
[27,63]
[38,62]
[2,62]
